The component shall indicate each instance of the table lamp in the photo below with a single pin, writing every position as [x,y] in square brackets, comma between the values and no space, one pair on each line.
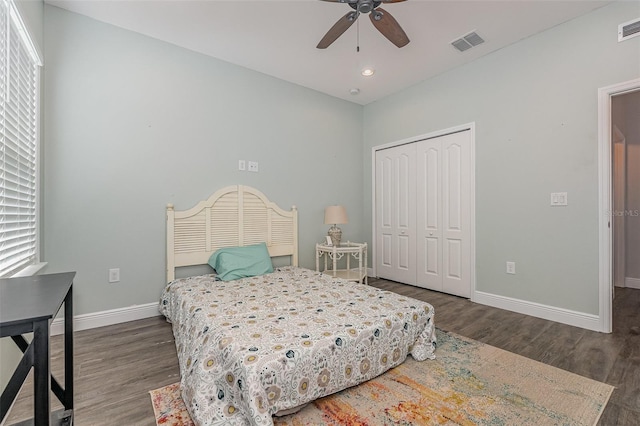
[335,215]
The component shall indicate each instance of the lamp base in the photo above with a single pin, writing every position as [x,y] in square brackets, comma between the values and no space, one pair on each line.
[336,235]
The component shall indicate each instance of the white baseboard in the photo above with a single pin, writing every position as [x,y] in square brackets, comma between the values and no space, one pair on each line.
[551,313]
[632,282]
[110,317]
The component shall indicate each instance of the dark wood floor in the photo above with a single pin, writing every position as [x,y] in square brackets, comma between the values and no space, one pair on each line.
[611,358]
[116,366]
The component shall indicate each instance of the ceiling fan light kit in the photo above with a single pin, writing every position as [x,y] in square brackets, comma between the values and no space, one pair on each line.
[381,19]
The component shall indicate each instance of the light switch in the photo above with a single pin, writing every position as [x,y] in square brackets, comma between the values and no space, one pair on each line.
[562,198]
[114,275]
[559,199]
[242,165]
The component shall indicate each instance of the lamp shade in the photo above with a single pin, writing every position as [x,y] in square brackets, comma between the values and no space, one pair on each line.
[335,215]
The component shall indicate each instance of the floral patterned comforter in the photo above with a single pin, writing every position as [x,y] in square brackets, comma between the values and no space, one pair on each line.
[253,347]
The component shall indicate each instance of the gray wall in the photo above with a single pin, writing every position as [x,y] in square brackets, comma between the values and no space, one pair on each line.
[32,13]
[133,123]
[535,108]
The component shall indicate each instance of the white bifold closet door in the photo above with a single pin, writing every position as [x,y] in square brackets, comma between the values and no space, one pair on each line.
[444,214]
[423,213]
[396,213]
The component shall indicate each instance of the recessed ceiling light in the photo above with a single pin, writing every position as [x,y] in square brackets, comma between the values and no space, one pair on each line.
[368,72]
[354,91]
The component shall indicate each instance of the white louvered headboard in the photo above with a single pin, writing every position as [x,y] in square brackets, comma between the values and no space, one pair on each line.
[233,216]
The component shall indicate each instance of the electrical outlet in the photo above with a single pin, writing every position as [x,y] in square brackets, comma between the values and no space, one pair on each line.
[511,267]
[253,166]
[114,275]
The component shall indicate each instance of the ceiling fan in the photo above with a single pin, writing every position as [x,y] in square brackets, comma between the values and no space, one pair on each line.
[381,19]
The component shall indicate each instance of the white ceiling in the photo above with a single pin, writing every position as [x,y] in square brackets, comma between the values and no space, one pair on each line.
[278,37]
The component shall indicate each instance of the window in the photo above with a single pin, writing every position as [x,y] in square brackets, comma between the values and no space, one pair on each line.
[19,75]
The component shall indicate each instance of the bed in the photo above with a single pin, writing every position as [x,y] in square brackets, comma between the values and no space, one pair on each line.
[268,344]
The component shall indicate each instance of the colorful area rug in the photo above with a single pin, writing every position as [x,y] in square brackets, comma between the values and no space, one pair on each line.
[469,383]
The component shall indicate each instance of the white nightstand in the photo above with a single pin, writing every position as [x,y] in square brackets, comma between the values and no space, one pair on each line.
[356,251]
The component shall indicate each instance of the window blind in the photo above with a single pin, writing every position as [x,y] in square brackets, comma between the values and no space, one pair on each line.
[18,133]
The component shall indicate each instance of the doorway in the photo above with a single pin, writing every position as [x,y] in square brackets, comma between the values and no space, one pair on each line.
[619,192]
[625,143]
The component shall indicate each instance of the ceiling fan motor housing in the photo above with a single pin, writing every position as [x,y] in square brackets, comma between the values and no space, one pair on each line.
[365,6]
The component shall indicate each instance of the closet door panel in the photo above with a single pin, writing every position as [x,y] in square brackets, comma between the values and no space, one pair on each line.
[432,256]
[453,255]
[456,215]
[395,214]
[429,247]
[384,207]
[386,251]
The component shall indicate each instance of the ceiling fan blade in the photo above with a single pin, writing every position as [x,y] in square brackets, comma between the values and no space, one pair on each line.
[338,29]
[381,1]
[389,27]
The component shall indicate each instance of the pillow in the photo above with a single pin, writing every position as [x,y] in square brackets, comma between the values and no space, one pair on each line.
[232,263]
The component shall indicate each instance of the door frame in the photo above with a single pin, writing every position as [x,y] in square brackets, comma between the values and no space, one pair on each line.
[472,191]
[605,228]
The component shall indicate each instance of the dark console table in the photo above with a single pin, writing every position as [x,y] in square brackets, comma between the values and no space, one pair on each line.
[28,305]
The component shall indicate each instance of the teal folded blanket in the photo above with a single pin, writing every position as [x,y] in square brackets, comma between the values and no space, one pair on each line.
[232,263]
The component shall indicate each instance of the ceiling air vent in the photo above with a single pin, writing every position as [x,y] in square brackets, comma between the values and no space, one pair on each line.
[629,29]
[467,41]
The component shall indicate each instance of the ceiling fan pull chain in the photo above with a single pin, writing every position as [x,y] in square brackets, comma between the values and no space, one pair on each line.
[357,36]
